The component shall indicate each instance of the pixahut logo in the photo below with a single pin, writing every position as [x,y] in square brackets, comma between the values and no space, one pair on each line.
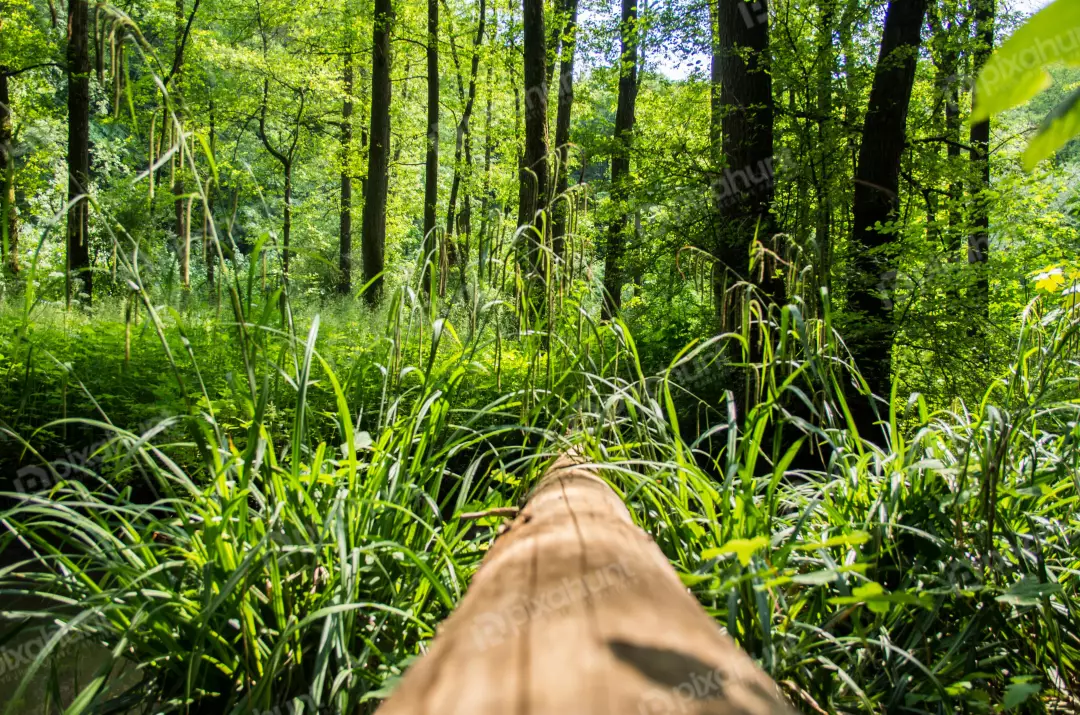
[17,657]
[302,704]
[34,478]
[494,627]
[735,183]
[1043,51]
[685,697]
[753,13]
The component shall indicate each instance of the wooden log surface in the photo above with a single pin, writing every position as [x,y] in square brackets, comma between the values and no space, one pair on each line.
[576,610]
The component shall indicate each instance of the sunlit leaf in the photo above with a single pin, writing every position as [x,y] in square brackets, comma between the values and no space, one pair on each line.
[742,548]
[1017,71]
[1055,131]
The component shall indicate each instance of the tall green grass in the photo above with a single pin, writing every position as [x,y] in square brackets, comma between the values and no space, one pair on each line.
[289,535]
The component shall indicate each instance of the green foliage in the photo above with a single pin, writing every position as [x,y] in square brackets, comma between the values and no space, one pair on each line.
[1019,70]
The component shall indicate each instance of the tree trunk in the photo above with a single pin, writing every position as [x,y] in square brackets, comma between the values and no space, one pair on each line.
[616,632]
[485,240]
[716,107]
[620,159]
[9,221]
[431,164]
[462,137]
[744,193]
[78,223]
[345,235]
[209,246]
[373,237]
[532,193]
[979,240]
[877,198]
[286,221]
[183,231]
[826,149]
[562,128]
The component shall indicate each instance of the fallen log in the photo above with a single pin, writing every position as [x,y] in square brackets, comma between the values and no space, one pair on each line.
[576,610]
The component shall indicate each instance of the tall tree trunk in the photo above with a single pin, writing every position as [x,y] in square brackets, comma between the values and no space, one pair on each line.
[485,240]
[345,235]
[877,198]
[431,163]
[183,231]
[78,223]
[744,192]
[620,159]
[716,107]
[373,237]
[286,220]
[209,246]
[9,221]
[562,127]
[826,150]
[462,137]
[979,240]
[533,189]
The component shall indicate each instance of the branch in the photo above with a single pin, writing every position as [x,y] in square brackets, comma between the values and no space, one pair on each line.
[183,41]
[13,73]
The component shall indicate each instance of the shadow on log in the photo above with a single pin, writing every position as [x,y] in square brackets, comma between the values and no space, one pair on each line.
[575,610]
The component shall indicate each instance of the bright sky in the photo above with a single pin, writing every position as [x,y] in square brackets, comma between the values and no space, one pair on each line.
[674,70]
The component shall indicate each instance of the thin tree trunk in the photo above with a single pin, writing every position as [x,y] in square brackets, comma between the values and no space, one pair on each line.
[979,240]
[78,229]
[532,194]
[345,235]
[183,231]
[463,131]
[209,247]
[286,220]
[9,220]
[431,164]
[562,128]
[826,150]
[744,192]
[716,107]
[620,159]
[374,223]
[877,198]
[485,240]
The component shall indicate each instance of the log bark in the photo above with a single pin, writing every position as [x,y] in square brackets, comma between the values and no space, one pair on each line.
[576,610]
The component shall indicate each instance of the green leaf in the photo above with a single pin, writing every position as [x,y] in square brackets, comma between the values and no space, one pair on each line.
[1060,125]
[1017,693]
[1017,71]
[1028,592]
[855,538]
[742,548]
